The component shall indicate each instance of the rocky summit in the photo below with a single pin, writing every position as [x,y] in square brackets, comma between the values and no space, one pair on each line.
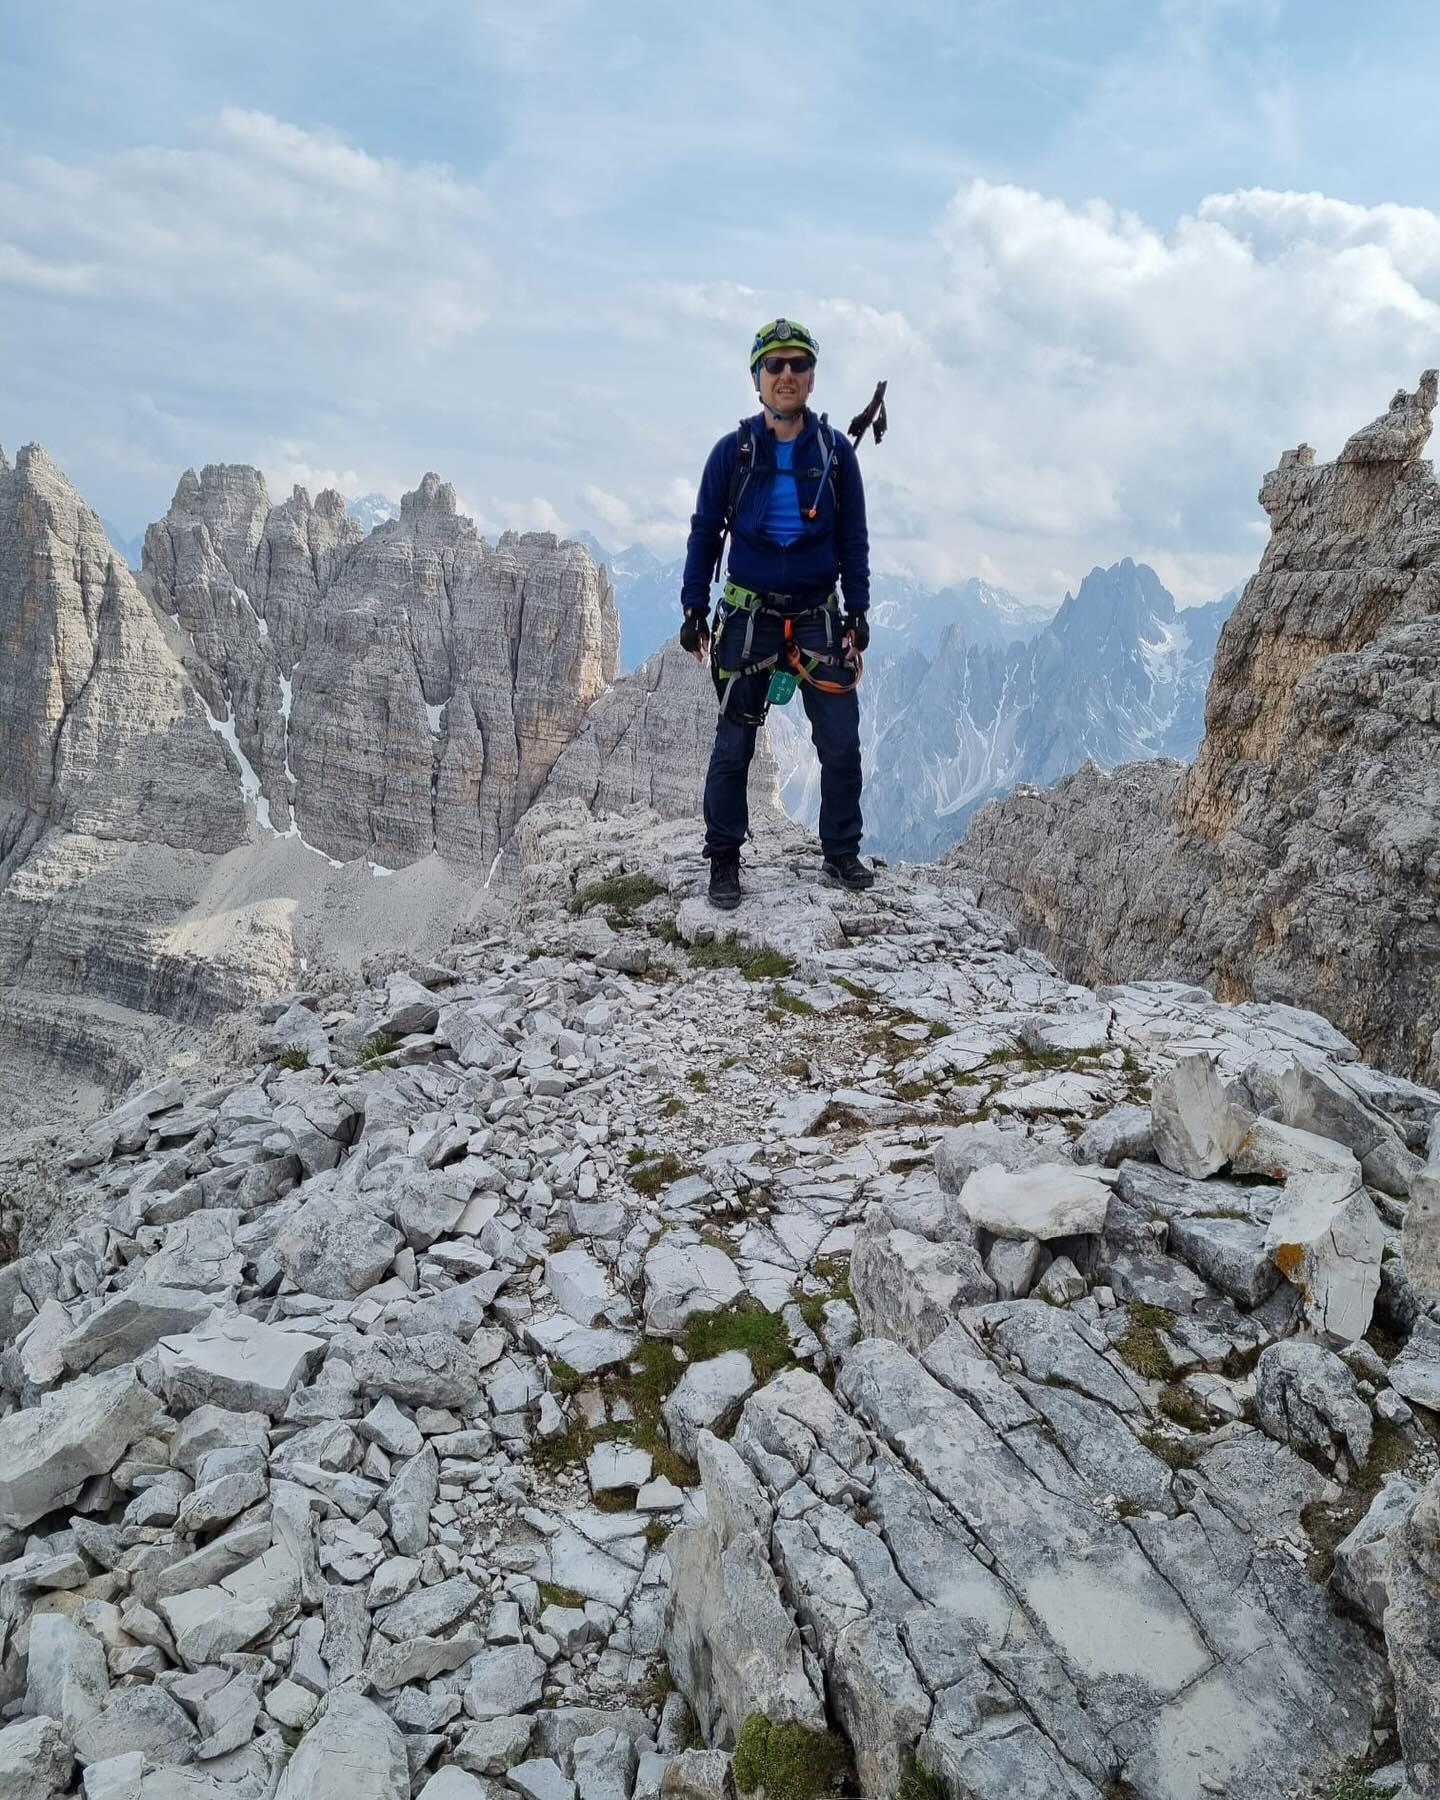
[607,1360]
[1298,858]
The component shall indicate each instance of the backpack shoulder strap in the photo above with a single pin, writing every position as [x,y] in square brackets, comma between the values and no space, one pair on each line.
[740,472]
[832,462]
[739,475]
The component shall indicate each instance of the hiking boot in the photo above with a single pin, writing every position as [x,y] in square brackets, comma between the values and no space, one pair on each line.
[846,871]
[725,880]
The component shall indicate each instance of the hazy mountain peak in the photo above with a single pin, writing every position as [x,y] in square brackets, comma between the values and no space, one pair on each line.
[371,510]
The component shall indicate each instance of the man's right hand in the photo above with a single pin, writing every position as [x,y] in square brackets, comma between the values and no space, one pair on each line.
[695,633]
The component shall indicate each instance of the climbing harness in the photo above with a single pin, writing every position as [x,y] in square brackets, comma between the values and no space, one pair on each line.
[789,666]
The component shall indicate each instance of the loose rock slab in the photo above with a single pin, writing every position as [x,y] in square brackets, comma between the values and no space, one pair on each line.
[234,1361]
[1042,1203]
[83,1429]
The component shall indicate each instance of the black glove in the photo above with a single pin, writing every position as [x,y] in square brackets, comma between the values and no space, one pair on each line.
[857,629]
[695,632]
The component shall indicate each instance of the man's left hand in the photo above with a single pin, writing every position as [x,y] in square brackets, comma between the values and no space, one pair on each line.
[857,631]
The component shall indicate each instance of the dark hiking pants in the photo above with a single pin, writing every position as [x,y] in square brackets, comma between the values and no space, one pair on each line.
[834,729]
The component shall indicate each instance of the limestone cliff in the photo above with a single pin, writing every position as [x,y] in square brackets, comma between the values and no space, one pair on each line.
[285,746]
[394,694]
[1299,858]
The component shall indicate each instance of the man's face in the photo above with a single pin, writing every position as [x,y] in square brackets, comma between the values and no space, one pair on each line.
[789,388]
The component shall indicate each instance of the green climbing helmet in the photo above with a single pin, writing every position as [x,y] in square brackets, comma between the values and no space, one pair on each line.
[781,334]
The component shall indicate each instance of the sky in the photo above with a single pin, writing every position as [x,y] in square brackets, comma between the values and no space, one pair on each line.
[1112,258]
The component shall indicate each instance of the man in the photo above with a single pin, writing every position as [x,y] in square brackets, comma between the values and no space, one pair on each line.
[787,489]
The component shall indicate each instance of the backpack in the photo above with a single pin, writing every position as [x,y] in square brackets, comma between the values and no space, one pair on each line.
[744,467]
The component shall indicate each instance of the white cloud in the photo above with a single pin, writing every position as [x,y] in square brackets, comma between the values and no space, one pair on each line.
[1069,382]
[1080,386]
[260,223]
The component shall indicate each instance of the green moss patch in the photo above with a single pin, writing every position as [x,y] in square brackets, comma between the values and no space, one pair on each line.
[621,894]
[782,1001]
[789,1761]
[552,1594]
[753,964]
[745,1326]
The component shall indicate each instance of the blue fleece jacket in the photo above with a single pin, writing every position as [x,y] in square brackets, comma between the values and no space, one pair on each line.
[827,548]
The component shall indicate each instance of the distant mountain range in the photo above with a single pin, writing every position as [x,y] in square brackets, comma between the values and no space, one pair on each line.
[911,616]
[968,689]
[1119,673]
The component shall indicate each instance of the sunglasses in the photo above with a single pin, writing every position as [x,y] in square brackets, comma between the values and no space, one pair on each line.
[800,364]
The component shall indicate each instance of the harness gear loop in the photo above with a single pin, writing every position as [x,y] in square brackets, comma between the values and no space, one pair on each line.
[800,665]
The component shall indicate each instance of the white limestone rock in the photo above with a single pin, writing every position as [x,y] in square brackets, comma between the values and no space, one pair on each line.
[684,1279]
[1415,1372]
[1043,1202]
[503,1682]
[707,1397]
[1420,1235]
[908,1288]
[1012,1264]
[1362,1557]
[1412,1636]
[66,1674]
[1197,1119]
[579,1284]
[83,1429]
[586,1350]
[431,1368]
[1305,1397]
[335,1248]
[612,1467]
[351,1752]
[35,1760]
[1326,1239]
[131,1322]
[235,1362]
[960,1152]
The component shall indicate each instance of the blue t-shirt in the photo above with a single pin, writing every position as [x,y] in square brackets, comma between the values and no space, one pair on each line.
[782,521]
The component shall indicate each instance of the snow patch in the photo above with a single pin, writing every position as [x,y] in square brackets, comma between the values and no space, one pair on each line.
[433,714]
[378,869]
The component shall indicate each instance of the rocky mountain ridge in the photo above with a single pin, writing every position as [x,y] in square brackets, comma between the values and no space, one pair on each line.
[608,1363]
[1299,857]
[284,744]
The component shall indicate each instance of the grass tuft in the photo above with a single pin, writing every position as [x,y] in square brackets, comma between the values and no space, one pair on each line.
[782,1001]
[753,964]
[294,1056]
[1180,1407]
[650,1177]
[919,1783]
[1140,1345]
[745,1326]
[789,1761]
[621,894]
[375,1049]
